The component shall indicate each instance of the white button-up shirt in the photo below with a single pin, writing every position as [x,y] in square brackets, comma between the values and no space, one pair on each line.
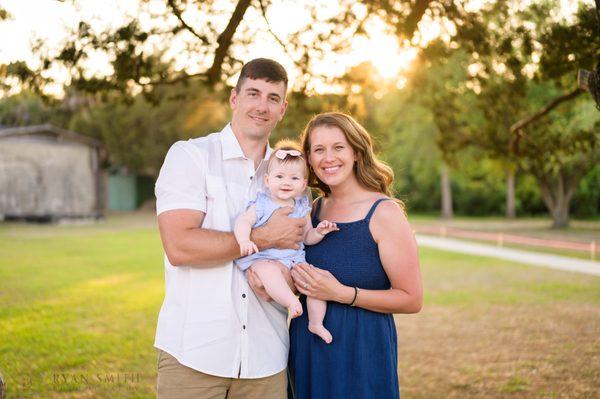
[210,319]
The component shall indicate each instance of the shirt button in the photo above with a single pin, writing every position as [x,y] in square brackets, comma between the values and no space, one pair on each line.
[244,326]
[243,295]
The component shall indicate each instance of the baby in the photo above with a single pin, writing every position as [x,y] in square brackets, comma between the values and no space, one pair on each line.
[285,183]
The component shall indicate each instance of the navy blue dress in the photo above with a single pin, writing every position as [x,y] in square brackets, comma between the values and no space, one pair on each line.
[361,362]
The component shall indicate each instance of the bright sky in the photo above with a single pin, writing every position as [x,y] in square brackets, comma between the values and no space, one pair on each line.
[50,20]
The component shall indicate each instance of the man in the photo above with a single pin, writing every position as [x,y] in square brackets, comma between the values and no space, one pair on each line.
[216,338]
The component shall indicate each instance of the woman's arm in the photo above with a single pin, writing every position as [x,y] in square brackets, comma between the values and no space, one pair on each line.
[399,256]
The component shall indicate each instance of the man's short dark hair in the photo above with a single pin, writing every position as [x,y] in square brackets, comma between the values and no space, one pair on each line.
[262,68]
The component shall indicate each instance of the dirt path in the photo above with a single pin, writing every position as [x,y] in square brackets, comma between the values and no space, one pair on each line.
[515,255]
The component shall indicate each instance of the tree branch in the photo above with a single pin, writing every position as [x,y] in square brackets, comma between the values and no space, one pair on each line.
[224,40]
[180,78]
[545,110]
[177,13]
[277,39]
[413,19]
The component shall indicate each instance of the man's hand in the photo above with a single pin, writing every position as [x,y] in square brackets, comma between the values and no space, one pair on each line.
[258,287]
[248,248]
[280,231]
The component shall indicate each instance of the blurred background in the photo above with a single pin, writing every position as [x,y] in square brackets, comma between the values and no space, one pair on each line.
[474,103]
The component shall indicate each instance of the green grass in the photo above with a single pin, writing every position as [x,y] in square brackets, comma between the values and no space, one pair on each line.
[78,305]
[456,279]
[78,308]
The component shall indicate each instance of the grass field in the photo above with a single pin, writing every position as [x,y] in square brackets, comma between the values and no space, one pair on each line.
[78,307]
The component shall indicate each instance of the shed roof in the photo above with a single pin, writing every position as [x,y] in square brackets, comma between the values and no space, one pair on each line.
[51,129]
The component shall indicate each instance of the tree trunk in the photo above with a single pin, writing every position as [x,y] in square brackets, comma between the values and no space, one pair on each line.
[446,192]
[511,213]
[560,216]
[557,196]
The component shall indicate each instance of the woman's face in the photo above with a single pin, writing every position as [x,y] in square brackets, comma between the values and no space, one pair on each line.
[331,156]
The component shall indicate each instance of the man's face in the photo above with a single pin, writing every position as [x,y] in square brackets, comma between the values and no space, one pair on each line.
[257,107]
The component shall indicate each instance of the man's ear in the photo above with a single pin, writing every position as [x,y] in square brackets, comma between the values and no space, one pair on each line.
[285,104]
[233,97]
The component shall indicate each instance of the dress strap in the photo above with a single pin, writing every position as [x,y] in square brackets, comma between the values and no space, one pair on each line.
[315,216]
[368,217]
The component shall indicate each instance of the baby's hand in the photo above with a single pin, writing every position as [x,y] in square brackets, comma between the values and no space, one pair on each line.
[248,248]
[326,227]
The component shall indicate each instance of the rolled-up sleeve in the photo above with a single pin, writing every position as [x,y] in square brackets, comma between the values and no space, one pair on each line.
[181,183]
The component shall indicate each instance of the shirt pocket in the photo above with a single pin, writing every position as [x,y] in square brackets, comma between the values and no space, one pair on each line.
[218,204]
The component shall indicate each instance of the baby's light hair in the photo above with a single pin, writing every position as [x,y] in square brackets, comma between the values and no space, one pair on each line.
[287,145]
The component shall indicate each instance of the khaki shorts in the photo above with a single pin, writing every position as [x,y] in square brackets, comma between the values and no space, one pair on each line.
[176,381]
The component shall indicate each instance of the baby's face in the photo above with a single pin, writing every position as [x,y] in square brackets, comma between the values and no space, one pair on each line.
[286,181]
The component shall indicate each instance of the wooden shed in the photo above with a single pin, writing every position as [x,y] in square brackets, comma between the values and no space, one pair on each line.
[49,173]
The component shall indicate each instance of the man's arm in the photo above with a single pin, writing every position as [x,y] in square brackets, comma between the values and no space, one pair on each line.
[187,244]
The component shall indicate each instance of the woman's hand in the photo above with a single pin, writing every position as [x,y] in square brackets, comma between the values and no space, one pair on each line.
[320,284]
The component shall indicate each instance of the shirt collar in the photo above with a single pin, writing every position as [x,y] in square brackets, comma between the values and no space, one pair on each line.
[230,146]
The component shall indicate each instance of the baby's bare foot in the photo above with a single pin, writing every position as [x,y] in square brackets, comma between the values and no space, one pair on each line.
[321,331]
[295,309]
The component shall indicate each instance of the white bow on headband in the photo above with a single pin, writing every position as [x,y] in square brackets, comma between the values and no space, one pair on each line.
[281,154]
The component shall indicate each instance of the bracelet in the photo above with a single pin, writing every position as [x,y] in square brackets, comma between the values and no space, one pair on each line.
[353,303]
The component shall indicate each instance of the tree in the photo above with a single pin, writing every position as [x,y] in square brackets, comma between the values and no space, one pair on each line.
[213,36]
[560,149]
[138,134]
[561,146]
[501,44]
[440,80]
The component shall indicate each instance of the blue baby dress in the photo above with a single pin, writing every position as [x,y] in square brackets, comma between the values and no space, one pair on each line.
[265,206]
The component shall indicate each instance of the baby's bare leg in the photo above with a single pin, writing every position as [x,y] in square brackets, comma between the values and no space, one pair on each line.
[270,274]
[316,313]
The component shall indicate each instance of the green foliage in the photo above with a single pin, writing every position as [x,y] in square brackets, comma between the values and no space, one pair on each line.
[410,150]
[479,188]
[442,87]
[528,197]
[138,135]
[569,46]
[27,108]
[586,200]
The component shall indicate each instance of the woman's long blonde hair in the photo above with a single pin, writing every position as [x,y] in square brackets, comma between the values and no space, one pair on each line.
[371,173]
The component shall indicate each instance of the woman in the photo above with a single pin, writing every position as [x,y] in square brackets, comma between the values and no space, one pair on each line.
[367,270]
